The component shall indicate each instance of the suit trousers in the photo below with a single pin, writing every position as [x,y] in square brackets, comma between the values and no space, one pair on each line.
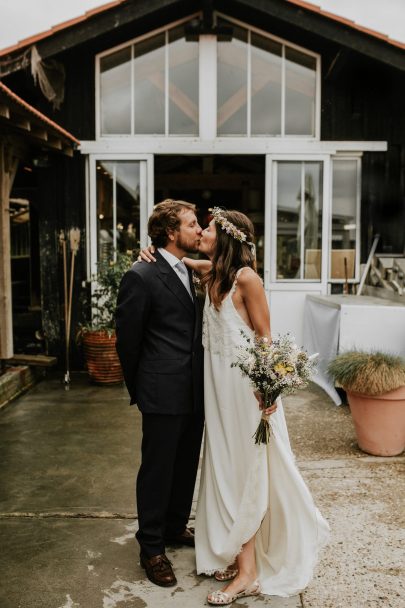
[165,484]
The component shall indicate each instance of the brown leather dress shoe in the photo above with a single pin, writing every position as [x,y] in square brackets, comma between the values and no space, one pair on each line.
[159,570]
[185,538]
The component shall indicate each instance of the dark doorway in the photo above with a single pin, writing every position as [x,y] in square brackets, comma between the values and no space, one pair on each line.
[234,182]
[25,264]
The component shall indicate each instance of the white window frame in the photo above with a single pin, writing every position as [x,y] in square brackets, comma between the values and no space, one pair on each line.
[357,158]
[130,43]
[208,62]
[146,200]
[301,49]
[270,225]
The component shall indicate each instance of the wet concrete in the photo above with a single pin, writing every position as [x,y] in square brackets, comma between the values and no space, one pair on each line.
[67,507]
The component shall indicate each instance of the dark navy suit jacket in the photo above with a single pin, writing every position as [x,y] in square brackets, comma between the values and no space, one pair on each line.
[159,340]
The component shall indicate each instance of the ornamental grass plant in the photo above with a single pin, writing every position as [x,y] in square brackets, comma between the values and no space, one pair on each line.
[368,373]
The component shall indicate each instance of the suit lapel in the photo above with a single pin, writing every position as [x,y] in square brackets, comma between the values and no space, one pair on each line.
[196,304]
[172,282]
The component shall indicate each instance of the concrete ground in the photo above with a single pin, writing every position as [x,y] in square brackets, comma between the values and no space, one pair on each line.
[67,507]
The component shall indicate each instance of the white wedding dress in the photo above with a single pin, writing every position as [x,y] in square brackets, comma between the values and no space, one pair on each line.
[248,489]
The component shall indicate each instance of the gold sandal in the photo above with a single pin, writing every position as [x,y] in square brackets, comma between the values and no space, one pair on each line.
[222,598]
[227,574]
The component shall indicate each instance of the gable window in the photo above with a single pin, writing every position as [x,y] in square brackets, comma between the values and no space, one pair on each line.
[164,85]
[150,87]
[265,87]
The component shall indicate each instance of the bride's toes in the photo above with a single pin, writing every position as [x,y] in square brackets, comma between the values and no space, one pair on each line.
[219,598]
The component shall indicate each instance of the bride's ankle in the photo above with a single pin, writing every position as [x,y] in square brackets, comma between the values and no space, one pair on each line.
[247,576]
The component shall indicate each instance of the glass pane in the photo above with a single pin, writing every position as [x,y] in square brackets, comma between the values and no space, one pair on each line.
[299,220]
[183,84]
[149,77]
[344,222]
[115,93]
[312,228]
[266,86]
[232,85]
[288,217]
[118,190]
[300,83]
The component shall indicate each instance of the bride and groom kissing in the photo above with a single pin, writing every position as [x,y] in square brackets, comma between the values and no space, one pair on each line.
[256,528]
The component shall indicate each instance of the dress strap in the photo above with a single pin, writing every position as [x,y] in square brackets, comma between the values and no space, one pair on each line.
[237,275]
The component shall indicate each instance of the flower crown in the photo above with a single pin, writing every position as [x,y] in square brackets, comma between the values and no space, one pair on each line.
[229,228]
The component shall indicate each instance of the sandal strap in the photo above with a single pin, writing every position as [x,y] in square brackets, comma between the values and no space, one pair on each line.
[220,597]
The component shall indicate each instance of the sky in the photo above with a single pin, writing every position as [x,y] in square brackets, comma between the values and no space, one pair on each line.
[22,18]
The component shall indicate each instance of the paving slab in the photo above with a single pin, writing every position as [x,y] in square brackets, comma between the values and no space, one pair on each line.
[69,460]
[94,563]
[361,496]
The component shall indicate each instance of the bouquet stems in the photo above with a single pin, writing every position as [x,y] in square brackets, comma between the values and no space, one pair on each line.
[262,434]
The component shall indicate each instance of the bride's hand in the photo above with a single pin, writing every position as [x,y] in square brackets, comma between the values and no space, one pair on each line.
[145,254]
[268,410]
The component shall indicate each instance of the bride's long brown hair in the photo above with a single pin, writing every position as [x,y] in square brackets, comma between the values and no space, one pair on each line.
[230,255]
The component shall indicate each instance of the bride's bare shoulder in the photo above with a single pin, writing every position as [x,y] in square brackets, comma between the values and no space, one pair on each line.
[247,276]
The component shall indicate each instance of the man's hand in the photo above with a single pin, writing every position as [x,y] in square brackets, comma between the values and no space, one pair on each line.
[145,255]
[268,410]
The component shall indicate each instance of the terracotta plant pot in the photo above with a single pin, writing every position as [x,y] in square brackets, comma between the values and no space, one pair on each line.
[102,360]
[379,422]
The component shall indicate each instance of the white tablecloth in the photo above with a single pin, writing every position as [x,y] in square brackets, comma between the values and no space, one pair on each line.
[334,324]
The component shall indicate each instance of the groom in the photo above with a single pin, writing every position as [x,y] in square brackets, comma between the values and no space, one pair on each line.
[158,326]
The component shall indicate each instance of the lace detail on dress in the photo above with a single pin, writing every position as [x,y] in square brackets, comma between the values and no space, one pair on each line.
[222,328]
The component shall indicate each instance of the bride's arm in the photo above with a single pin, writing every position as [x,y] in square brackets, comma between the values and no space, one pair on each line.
[199,266]
[254,298]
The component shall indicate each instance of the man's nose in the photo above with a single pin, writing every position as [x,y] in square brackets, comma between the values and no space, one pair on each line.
[199,229]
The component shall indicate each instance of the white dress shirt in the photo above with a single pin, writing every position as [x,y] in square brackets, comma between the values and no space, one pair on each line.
[179,268]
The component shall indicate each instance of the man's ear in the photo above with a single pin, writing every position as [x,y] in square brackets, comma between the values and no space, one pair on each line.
[170,235]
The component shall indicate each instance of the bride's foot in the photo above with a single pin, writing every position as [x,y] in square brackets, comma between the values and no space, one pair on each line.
[227,574]
[241,586]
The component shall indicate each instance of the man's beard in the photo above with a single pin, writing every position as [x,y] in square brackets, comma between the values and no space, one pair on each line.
[191,246]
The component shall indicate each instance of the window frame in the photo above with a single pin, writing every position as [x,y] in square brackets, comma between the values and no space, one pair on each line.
[250,28]
[270,262]
[207,101]
[357,158]
[146,203]
[130,43]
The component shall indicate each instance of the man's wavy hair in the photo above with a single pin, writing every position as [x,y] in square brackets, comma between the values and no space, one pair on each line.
[166,217]
[230,255]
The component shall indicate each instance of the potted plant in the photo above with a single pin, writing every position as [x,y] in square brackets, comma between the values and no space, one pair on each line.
[98,335]
[375,387]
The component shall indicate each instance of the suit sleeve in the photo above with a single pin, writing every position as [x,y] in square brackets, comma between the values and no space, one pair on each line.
[133,306]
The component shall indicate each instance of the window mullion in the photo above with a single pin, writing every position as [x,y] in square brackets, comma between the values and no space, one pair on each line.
[249,84]
[114,218]
[132,89]
[283,90]
[208,87]
[167,83]
[302,231]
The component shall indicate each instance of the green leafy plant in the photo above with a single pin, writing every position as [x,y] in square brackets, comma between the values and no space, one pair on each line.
[368,373]
[103,299]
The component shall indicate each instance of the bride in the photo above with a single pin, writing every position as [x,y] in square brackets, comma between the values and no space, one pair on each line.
[256,524]
[257,528]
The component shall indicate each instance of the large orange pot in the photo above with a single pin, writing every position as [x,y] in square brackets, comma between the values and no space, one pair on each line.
[101,357]
[379,422]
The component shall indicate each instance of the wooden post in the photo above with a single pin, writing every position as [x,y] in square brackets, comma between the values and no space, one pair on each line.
[8,169]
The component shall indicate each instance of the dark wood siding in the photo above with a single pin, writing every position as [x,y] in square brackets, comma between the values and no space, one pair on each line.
[362,99]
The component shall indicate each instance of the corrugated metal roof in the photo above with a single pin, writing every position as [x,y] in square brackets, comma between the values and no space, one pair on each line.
[8,93]
[105,7]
